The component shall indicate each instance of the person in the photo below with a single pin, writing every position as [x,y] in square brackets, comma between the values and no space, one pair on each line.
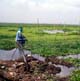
[20,41]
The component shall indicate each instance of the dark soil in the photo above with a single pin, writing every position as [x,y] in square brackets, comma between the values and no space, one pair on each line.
[57,61]
[34,70]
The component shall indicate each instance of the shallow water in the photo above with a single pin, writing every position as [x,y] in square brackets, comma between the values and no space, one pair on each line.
[77,56]
[53,31]
[7,55]
[65,71]
[38,57]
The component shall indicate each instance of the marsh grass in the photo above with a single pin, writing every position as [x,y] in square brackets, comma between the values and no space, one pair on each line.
[43,43]
[40,42]
[74,61]
[75,76]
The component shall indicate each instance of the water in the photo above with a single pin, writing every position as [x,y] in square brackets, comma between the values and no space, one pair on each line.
[77,56]
[53,31]
[7,55]
[65,71]
[38,57]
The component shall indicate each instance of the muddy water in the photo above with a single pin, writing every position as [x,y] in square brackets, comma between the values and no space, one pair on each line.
[7,54]
[36,56]
[65,71]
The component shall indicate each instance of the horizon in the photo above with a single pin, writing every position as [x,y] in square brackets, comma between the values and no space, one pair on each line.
[38,23]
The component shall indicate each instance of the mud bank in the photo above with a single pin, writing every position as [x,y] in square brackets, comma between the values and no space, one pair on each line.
[34,70]
[38,68]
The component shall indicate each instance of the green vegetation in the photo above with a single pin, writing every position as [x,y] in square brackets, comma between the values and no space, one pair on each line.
[40,42]
[75,62]
[43,43]
[75,76]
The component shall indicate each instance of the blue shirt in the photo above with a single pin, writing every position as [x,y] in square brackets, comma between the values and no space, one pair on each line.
[18,34]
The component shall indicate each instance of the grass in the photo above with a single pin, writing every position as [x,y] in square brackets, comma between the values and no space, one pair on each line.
[43,43]
[40,42]
[75,76]
[74,61]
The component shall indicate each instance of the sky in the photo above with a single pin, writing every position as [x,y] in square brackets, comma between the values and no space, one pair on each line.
[42,11]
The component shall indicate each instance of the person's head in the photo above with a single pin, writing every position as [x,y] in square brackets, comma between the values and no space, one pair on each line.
[20,29]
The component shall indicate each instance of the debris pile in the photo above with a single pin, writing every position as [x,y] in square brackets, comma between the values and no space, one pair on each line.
[36,70]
